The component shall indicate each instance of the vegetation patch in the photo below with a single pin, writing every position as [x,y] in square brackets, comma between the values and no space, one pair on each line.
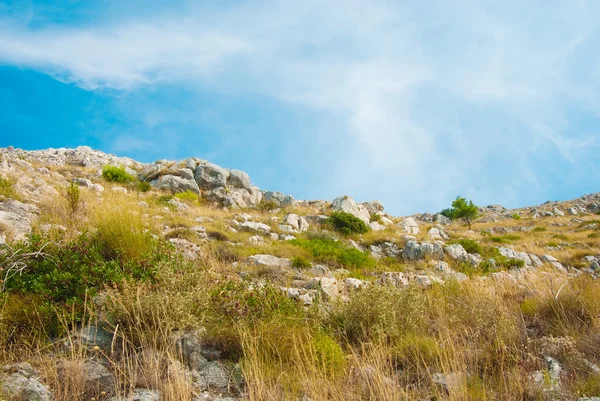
[7,188]
[188,196]
[330,251]
[346,223]
[117,174]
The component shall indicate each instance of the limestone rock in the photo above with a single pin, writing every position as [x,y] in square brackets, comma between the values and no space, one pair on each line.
[409,226]
[348,205]
[268,260]
[209,176]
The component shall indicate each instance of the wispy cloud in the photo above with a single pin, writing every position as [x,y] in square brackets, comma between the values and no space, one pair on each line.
[428,101]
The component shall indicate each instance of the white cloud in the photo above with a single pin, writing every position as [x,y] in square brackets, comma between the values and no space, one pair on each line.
[429,97]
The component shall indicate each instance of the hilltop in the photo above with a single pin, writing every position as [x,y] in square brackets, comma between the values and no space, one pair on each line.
[180,280]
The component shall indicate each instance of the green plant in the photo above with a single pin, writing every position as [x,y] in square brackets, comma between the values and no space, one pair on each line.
[471,246]
[552,244]
[462,209]
[73,196]
[347,223]
[516,216]
[376,217]
[539,229]
[144,186]
[594,235]
[217,235]
[503,239]
[116,174]
[300,262]
[561,237]
[67,274]
[326,250]
[187,196]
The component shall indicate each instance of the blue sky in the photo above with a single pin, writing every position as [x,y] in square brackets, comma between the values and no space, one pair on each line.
[408,102]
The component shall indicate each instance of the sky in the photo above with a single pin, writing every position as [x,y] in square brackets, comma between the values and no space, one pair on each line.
[409,102]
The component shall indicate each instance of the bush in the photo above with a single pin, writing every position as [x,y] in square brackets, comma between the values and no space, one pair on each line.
[516,216]
[300,262]
[117,174]
[539,229]
[187,196]
[144,186]
[326,250]
[73,196]
[347,223]
[69,274]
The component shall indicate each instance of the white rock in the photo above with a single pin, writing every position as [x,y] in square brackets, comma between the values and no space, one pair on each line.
[348,205]
[437,233]
[268,260]
[456,252]
[409,226]
[256,227]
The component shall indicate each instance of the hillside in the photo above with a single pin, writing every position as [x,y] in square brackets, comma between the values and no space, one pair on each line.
[180,280]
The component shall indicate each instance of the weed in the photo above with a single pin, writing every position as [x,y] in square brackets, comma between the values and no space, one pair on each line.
[326,250]
[300,262]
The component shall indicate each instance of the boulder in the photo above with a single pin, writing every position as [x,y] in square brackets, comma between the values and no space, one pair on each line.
[396,279]
[348,205]
[279,199]
[438,234]
[373,207]
[268,260]
[176,184]
[328,286]
[457,252]
[298,223]
[255,227]
[20,381]
[240,179]
[409,226]
[209,176]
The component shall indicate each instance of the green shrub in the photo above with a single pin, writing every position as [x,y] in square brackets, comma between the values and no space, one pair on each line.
[300,262]
[539,229]
[327,250]
[73,196]
[117,174]
[66,275]
[347,223]
[144,186]
[594,235]
[376,217]
[516,216]
[164,200]
[561,237]
[217,235]
[552,244]
[471,246]
[187,196]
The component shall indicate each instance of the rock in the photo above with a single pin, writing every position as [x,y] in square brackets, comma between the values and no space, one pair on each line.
[423,281]
[412,251]
[409,226]
[177,204]
[456,252]
[548,380]
[396,279]
[376,226]
[21,382]
[120,190]
[96,377]
[572,211]
[278,198]
[354,283]
[433,251]
[211,376]
[89,336]
[255,239]
[306,299]
[328,286]
[209,176]
[438,234]
[373,207]
[474,260]
[240,179]
[268,260]
[298,223]
[255,227]
[348,205]
[176,184]
[441,219]
[558,212]
[284,228]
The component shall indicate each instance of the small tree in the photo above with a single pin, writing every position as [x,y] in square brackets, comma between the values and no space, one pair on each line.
[462,209]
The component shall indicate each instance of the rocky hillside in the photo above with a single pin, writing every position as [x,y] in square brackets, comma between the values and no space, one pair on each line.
[180,280]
